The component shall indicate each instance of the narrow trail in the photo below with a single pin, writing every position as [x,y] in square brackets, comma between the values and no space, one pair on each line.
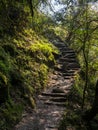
[50,104]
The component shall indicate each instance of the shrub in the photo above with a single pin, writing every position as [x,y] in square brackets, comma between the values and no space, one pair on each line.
[10,114]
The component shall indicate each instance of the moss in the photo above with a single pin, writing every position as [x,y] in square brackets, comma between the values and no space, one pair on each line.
[25,60]
[32,102]
[43,73]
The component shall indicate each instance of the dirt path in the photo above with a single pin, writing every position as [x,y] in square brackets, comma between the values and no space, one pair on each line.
[51,102]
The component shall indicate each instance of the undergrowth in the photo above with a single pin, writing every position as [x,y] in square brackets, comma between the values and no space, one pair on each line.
[25,60]
[73,115]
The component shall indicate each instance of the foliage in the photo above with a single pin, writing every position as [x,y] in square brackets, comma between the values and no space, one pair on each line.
[10,115]
[73,115]
[82,36]
[72,120]
[13,17]
[44,52]
[25,60]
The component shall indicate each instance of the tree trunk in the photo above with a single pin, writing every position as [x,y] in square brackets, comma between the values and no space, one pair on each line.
[86,76]
[31,7]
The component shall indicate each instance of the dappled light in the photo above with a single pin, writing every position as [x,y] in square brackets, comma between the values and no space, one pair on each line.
[49,65]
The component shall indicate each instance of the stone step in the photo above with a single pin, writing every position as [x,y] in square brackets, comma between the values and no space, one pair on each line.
[69,71]
[54,99]
[55,103]
[54,94]
[63,59]
[68,74]
[73,68]
[68,66]
[70,56]
[68,51]
[73,65]
[64,83]
[60,90]
[68,77]
[42,97]
[64,69]
[66,59]
[51,127]
[58,99]
[60,45]
[76,69]
[65,48]
[67,63]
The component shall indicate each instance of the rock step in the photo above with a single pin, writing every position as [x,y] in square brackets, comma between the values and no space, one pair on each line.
[58,99]
[68,59]
[55,103]
[60,90]
[68,74]
[69,71]
[64,69]
[74,69]
[64,63]
[73,72]
[68,51]
[51,127]
[68,77]
[70,56]
[63,84]
[54,94]
[72,65]
[69,66]
[60,45]
[54,99]
[63,49]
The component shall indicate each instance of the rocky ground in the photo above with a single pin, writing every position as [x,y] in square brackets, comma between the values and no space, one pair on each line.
[51,103]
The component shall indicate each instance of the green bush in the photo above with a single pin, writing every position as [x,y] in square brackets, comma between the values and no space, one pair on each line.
[43,52]
[24,65]
[10,114]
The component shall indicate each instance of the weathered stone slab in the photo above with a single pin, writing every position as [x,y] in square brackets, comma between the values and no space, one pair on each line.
[55,103]
[58,99]
[54,94]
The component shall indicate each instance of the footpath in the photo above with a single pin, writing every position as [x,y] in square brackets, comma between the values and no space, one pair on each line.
[51,103]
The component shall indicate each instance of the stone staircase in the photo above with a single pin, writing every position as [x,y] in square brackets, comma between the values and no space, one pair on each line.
[51,103]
